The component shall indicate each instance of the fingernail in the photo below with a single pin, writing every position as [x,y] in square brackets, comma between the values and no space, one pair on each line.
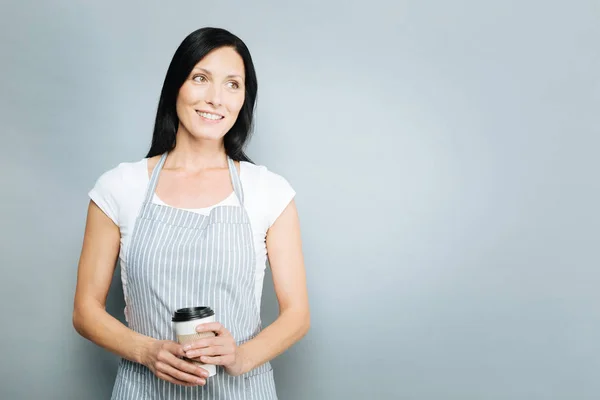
[187,347]
[200,381]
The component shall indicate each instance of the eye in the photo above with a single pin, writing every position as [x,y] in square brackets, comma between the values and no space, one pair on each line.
[233,85]
[199,78]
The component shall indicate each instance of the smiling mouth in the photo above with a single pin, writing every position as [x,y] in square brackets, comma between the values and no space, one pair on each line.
[209,116]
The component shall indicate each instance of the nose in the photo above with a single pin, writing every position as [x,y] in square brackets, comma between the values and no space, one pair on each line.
[213,95]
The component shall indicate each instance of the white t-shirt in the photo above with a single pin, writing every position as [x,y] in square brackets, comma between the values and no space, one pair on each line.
[120,193]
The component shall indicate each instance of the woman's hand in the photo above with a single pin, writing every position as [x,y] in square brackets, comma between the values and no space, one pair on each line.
[218,350]
[162,358]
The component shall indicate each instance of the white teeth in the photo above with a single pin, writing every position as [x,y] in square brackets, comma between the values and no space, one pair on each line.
[209,116]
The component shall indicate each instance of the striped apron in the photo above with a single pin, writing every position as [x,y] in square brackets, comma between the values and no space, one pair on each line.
[176,259]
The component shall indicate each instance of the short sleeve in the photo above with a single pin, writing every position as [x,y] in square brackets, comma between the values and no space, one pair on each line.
[279,193]
[105,193]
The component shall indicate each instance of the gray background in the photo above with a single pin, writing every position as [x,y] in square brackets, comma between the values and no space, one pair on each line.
[445,159]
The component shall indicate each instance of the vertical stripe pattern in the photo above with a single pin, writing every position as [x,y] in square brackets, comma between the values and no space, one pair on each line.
[177,259]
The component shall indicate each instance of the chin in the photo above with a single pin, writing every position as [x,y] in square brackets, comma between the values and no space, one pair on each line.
[208,135]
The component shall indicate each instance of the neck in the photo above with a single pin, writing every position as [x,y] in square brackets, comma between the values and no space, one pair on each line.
[193,154]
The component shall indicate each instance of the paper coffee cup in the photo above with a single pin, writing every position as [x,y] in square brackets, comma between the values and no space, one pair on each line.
[185,321]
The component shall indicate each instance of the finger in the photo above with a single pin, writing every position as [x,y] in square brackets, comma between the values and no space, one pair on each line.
[209,351]
[169,378]
[217,360]
[206,342]
[168,358]
[215,327]
[179,375]
[186,367]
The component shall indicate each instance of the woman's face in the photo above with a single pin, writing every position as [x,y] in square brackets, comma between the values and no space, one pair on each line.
[210,99]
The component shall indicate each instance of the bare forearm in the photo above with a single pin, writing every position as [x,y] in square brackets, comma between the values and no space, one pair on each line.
[276,338]
[95,324]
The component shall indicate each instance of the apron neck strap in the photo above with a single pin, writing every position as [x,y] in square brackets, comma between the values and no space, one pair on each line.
[233,173]
[154,178]
[235,180]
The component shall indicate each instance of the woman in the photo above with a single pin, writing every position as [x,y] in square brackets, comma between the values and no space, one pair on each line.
[192,224]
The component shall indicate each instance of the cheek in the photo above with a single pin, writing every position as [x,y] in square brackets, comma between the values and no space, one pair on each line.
[235,104]
[189,96]
[179,106]
[186,99]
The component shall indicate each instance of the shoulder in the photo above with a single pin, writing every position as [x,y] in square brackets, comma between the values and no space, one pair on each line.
[261,177]
[115,187]
[267,192]
[123,173]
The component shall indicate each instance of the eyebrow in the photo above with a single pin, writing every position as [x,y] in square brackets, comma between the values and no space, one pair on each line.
[207,72]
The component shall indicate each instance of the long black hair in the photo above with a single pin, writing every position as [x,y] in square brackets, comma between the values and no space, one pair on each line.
[193,48]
